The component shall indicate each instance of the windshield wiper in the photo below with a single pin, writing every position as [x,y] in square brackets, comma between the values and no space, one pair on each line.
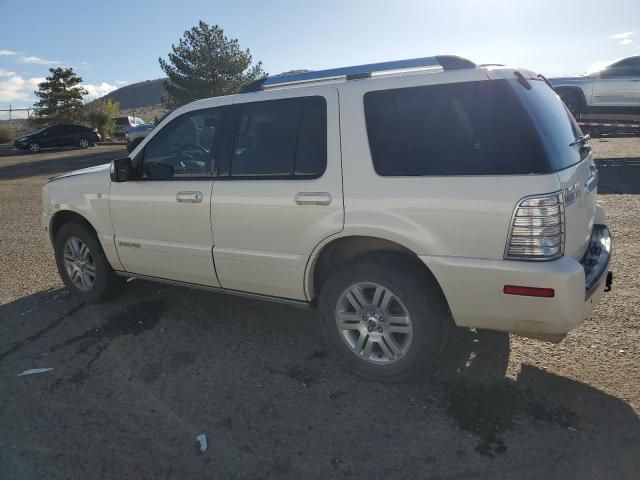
[582,140]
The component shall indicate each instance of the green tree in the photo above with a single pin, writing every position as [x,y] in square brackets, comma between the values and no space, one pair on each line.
[206,63]
[100,114]
[60,98]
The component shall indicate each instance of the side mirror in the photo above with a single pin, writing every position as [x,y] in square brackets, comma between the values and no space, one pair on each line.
[121,170]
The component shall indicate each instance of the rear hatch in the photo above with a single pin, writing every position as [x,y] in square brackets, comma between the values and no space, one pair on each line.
[570,156]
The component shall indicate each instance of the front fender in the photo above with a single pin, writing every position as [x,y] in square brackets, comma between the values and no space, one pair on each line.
[88,197]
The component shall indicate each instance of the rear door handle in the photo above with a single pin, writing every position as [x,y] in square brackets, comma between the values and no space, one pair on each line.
[313,198]
[189,197]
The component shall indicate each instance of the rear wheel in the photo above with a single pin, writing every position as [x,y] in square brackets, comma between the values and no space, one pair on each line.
[83,143]
[384,318]
[83,266]
[573,101]
[34,147]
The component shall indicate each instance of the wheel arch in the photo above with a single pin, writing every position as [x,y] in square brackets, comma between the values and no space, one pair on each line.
[337,251]
[63,217]
[572,89]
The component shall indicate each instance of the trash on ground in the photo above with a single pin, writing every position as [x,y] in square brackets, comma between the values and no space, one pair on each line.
[34,371]
[202,442]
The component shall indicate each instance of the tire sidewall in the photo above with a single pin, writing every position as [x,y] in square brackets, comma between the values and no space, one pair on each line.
[423,302]
[103,285]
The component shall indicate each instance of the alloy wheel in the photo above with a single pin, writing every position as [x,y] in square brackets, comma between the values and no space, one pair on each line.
[374,323]
[79,264]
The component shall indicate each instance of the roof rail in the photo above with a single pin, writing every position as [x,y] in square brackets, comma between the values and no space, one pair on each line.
[446,62]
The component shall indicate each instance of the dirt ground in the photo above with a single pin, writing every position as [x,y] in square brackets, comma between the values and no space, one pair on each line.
[135,380]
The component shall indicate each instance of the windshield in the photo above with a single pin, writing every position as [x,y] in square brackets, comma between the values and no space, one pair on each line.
[554,122]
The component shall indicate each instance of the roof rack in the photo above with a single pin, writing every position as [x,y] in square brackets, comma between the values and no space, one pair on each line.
[446,62]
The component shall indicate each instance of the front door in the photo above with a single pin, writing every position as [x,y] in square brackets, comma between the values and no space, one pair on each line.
[162,220]
[279,193]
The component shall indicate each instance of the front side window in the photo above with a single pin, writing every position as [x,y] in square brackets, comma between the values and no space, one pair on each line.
[471,128]
[280,138]
[183,148]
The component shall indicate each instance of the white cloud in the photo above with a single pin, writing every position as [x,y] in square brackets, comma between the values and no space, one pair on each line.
[6,53]
[99,90]
[626,41]
[621,36]
[38,61]
[18,88]
[121,82]
[14,87]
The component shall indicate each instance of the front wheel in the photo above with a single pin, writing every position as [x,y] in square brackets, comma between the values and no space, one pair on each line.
[384,318]
[34,147]
[83,266]
[83,143]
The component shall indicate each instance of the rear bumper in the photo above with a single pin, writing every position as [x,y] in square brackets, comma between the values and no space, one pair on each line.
[474,290]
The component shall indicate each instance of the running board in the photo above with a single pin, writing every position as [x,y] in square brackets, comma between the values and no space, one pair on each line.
[238,293]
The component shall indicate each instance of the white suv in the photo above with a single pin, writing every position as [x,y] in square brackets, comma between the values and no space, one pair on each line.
[399,199]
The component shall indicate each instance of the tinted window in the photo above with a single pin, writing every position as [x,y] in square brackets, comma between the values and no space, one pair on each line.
[554,122]
[280,138]
[311,154]
[472,128]
[183,147]
[122,121]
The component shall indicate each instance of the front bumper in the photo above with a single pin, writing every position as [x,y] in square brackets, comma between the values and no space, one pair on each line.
[474,289]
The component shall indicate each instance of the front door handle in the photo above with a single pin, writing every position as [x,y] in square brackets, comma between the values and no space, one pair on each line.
[313,198]
[189,197]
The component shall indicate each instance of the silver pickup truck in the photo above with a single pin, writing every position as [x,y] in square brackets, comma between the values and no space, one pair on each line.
[614,89]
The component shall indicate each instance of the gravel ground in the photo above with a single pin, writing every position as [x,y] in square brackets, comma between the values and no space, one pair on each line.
[135,380]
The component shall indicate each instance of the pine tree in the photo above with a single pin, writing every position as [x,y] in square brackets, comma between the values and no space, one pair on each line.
[206,63]
[60,98]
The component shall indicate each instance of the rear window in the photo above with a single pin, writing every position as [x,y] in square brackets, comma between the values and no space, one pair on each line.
[471,128]
[554,122]
[122,121]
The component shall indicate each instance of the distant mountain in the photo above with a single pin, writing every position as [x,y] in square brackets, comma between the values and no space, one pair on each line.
[136,95]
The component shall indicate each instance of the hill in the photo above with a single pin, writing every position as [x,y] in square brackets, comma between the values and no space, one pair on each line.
[141,94]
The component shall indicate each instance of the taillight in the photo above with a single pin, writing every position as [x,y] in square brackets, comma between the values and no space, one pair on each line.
[537,228]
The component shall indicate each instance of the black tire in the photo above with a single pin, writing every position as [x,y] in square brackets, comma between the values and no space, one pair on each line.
[83,142]
[422,298]
[33,147]
[106,284]
[573,100]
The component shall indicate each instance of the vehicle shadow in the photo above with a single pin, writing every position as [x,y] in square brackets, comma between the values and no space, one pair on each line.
[619,176]
[56,165]
[256,377]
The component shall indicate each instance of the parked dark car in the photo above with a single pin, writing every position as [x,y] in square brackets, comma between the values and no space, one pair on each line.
[61,135]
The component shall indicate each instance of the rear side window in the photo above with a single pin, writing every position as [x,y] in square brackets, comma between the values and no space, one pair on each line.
[472,128]
[555,123]
[281,138]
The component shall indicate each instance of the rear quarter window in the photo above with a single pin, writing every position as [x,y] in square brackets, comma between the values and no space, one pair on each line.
[471,128]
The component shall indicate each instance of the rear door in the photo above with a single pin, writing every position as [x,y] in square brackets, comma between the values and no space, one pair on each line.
[279,192]
[619,85]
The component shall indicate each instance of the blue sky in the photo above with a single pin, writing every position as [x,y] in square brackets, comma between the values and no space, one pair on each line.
[118,42]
